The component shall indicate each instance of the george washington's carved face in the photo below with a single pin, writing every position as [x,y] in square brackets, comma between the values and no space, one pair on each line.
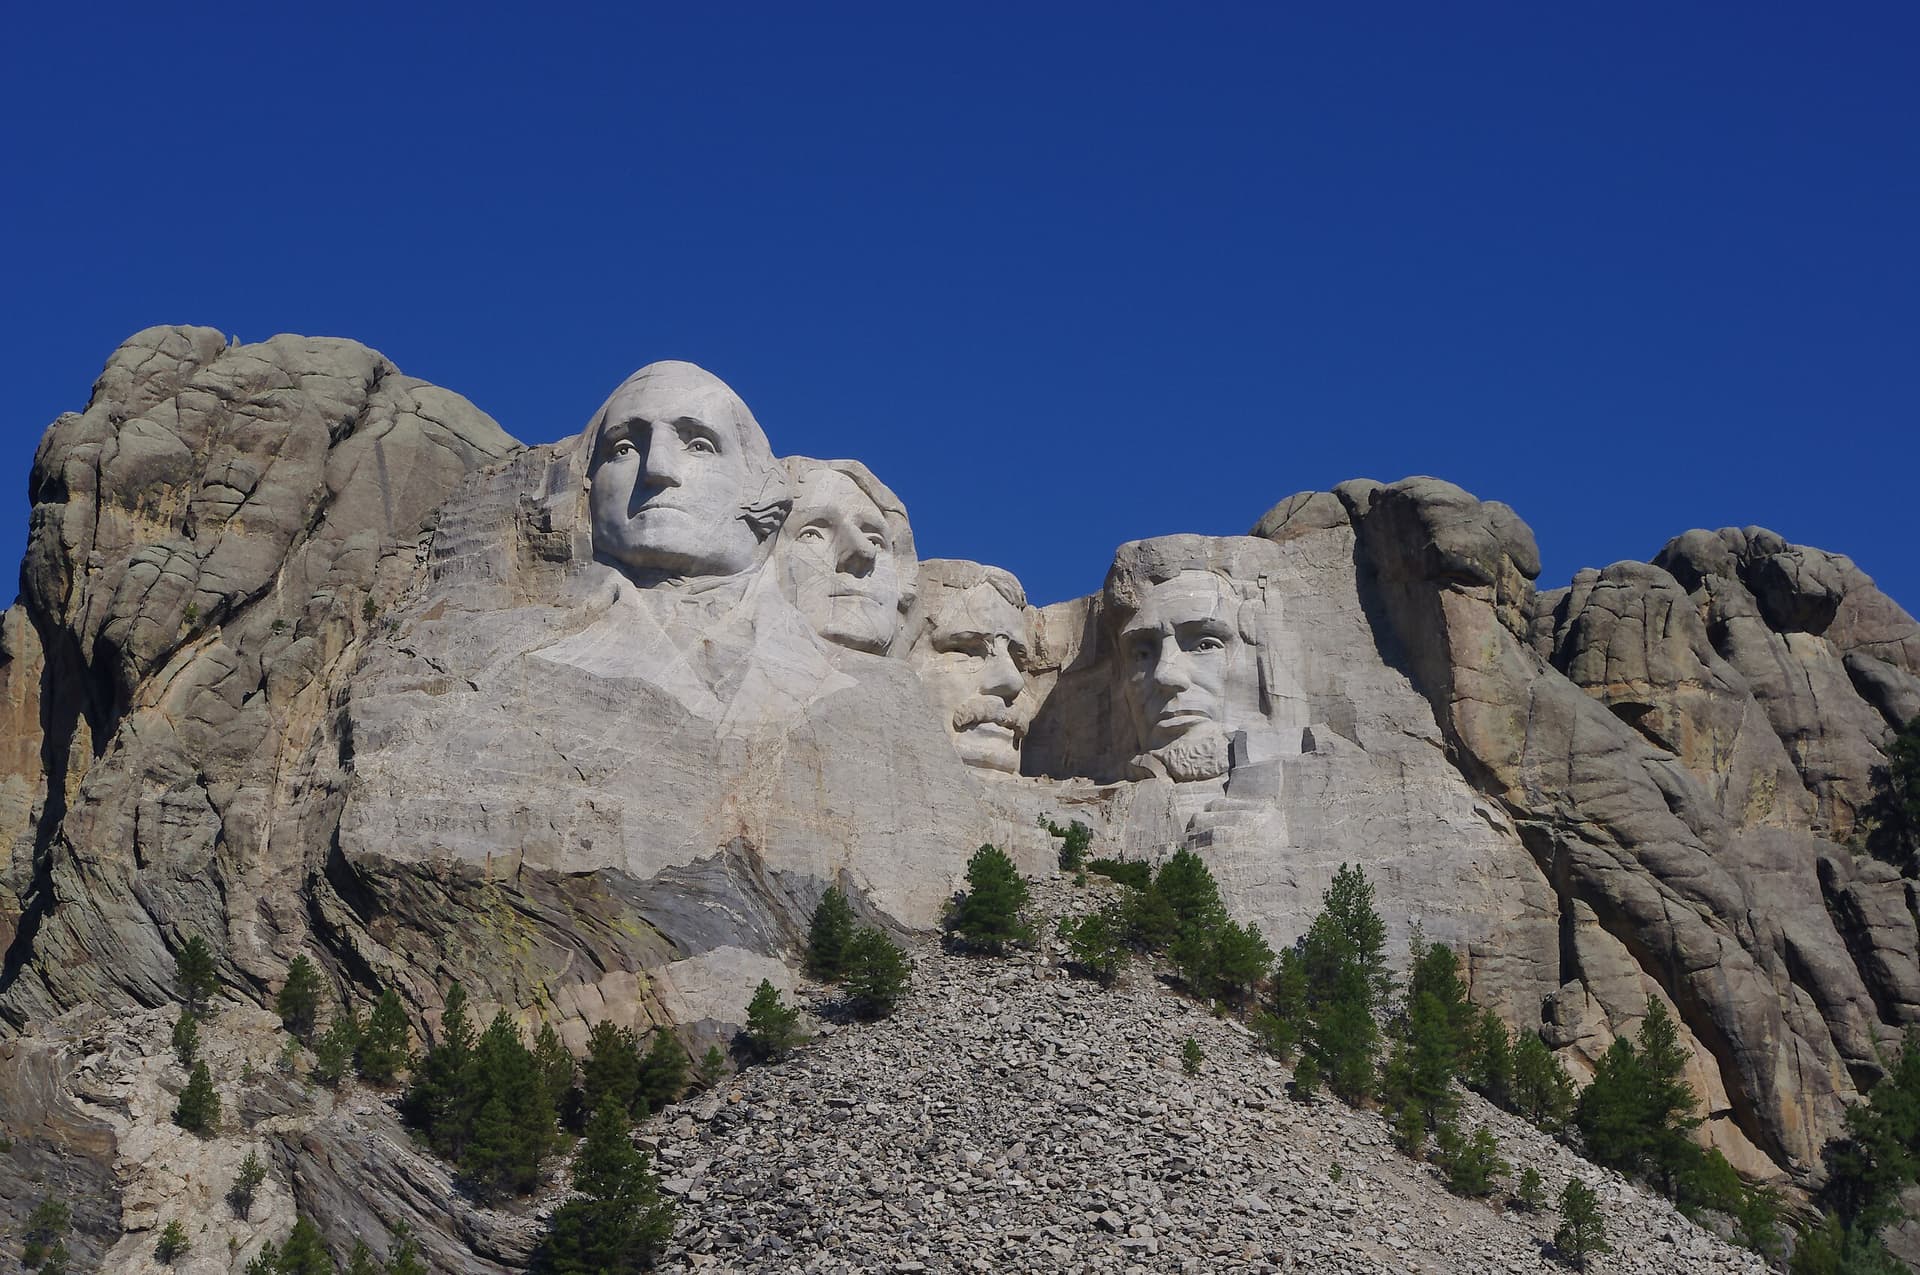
[677,462]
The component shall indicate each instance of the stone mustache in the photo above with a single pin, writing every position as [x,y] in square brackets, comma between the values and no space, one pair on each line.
[686,495]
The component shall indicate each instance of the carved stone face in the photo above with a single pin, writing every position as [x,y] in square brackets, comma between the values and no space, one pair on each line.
[972,659]
[670,475]
[1182,657]
[838,562]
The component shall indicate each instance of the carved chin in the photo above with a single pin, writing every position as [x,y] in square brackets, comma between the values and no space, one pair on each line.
[1204,753]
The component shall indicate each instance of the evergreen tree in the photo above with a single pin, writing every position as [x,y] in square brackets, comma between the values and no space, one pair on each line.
[333,1052]
[1191,1056]
[556,1065]
[611,1070]
[1342,983]
[1152,924]
[663,1073]
[1097,941]
[1530,1193]
[1543,1092]
[1432,1037]
[1879,1155]
[773,1029]
[829,937]
[1635,1114]
[194,974]
[199,1107]
[1830,1247]
[1190,893]
[304,1253]
[712,1068]
[990,916]
[877,974]
[514,1123]
[298,1001]
[439,1097]
[173,1242]
[1473,1165]
[382,1050]
[616,1221]
[1075,840]
[56,1260]
[1241,958]
[403,1258]
[47,1226]
[1490,1060]
[1670,1102]
[1583,1232]
[1279,1027]
[246,1185]
[266,1261]
[361,1261]
[1892,817]
[186,1038]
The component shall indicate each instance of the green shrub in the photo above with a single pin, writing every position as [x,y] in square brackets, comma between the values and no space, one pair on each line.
[773,1029]
[194,974]
[1075,840]
[1582,1232]
[173,1242]
[198,1110]
[616,1220]
[1530,1192]
[990,918]
[829,936]
[298,1001]
[246,1185]
[1129,872]
[383,1047]
[1191,1056]
[877,974]
[711,1069]
[186,1038]
[1097,942]
[47,1227]
[1472,1164]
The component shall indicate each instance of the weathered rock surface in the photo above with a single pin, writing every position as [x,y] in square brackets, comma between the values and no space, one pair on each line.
[310,656]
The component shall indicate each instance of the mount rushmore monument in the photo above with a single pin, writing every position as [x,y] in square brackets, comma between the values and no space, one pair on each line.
[312,657]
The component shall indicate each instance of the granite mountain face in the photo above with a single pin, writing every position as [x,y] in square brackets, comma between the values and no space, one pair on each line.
[311,657]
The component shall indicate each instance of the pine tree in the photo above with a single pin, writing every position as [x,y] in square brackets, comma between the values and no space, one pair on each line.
[1490,1063]
[298,1001]
[611,1069]
[246,1185]
[1281,1025]
[616,1221]
[1473,1164]
[403,1258]
[1191,1056]
[556,1065]
[1075,840]
[361,1261]
[194,974]
[663,1073]
[1530,1193]
[46,1227]
[1543,1092]
[1096,942]
[712,1068]
[1892,817]
[173,1242]
[877,974]
[186,1038]
[266,1261]
[382,1050]
[773,1029]
[514,1125]
[1190,892]
[199,1107]
[990,917]
[333,1052]
[1344,970]
[439,1100]
[304,1253]
[1635,1114]
[1241,958]
[1583,1232]
[829,936]
[1670,1102]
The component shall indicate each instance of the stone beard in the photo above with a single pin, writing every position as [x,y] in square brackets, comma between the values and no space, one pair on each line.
[1188,672]
[845,555]
[972,657]
[681,482]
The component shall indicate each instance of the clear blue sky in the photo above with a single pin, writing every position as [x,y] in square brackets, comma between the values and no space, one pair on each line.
[1063,275]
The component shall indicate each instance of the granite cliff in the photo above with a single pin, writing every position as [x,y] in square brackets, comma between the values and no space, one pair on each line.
[311,657]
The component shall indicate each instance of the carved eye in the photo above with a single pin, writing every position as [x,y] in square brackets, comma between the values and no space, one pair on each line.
[624,447]
[1210,643]
[811,533]
[704,446]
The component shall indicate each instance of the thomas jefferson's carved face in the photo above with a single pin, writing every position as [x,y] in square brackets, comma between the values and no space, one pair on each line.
[838,563]
[669,475]
[972,660]
[1180,654]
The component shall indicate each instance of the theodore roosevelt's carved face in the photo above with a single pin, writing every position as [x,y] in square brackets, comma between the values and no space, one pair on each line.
[678,466]
[839,562]
[972,659]
[1181,653]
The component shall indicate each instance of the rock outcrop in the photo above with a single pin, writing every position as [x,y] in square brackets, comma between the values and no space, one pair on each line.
[310,656]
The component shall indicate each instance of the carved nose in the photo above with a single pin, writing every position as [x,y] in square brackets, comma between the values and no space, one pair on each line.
[1002,676]
[858,557]
[1170,670]
[660,468]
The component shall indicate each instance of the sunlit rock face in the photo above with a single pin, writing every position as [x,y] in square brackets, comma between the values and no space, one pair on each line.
[313,658]
[974,646]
